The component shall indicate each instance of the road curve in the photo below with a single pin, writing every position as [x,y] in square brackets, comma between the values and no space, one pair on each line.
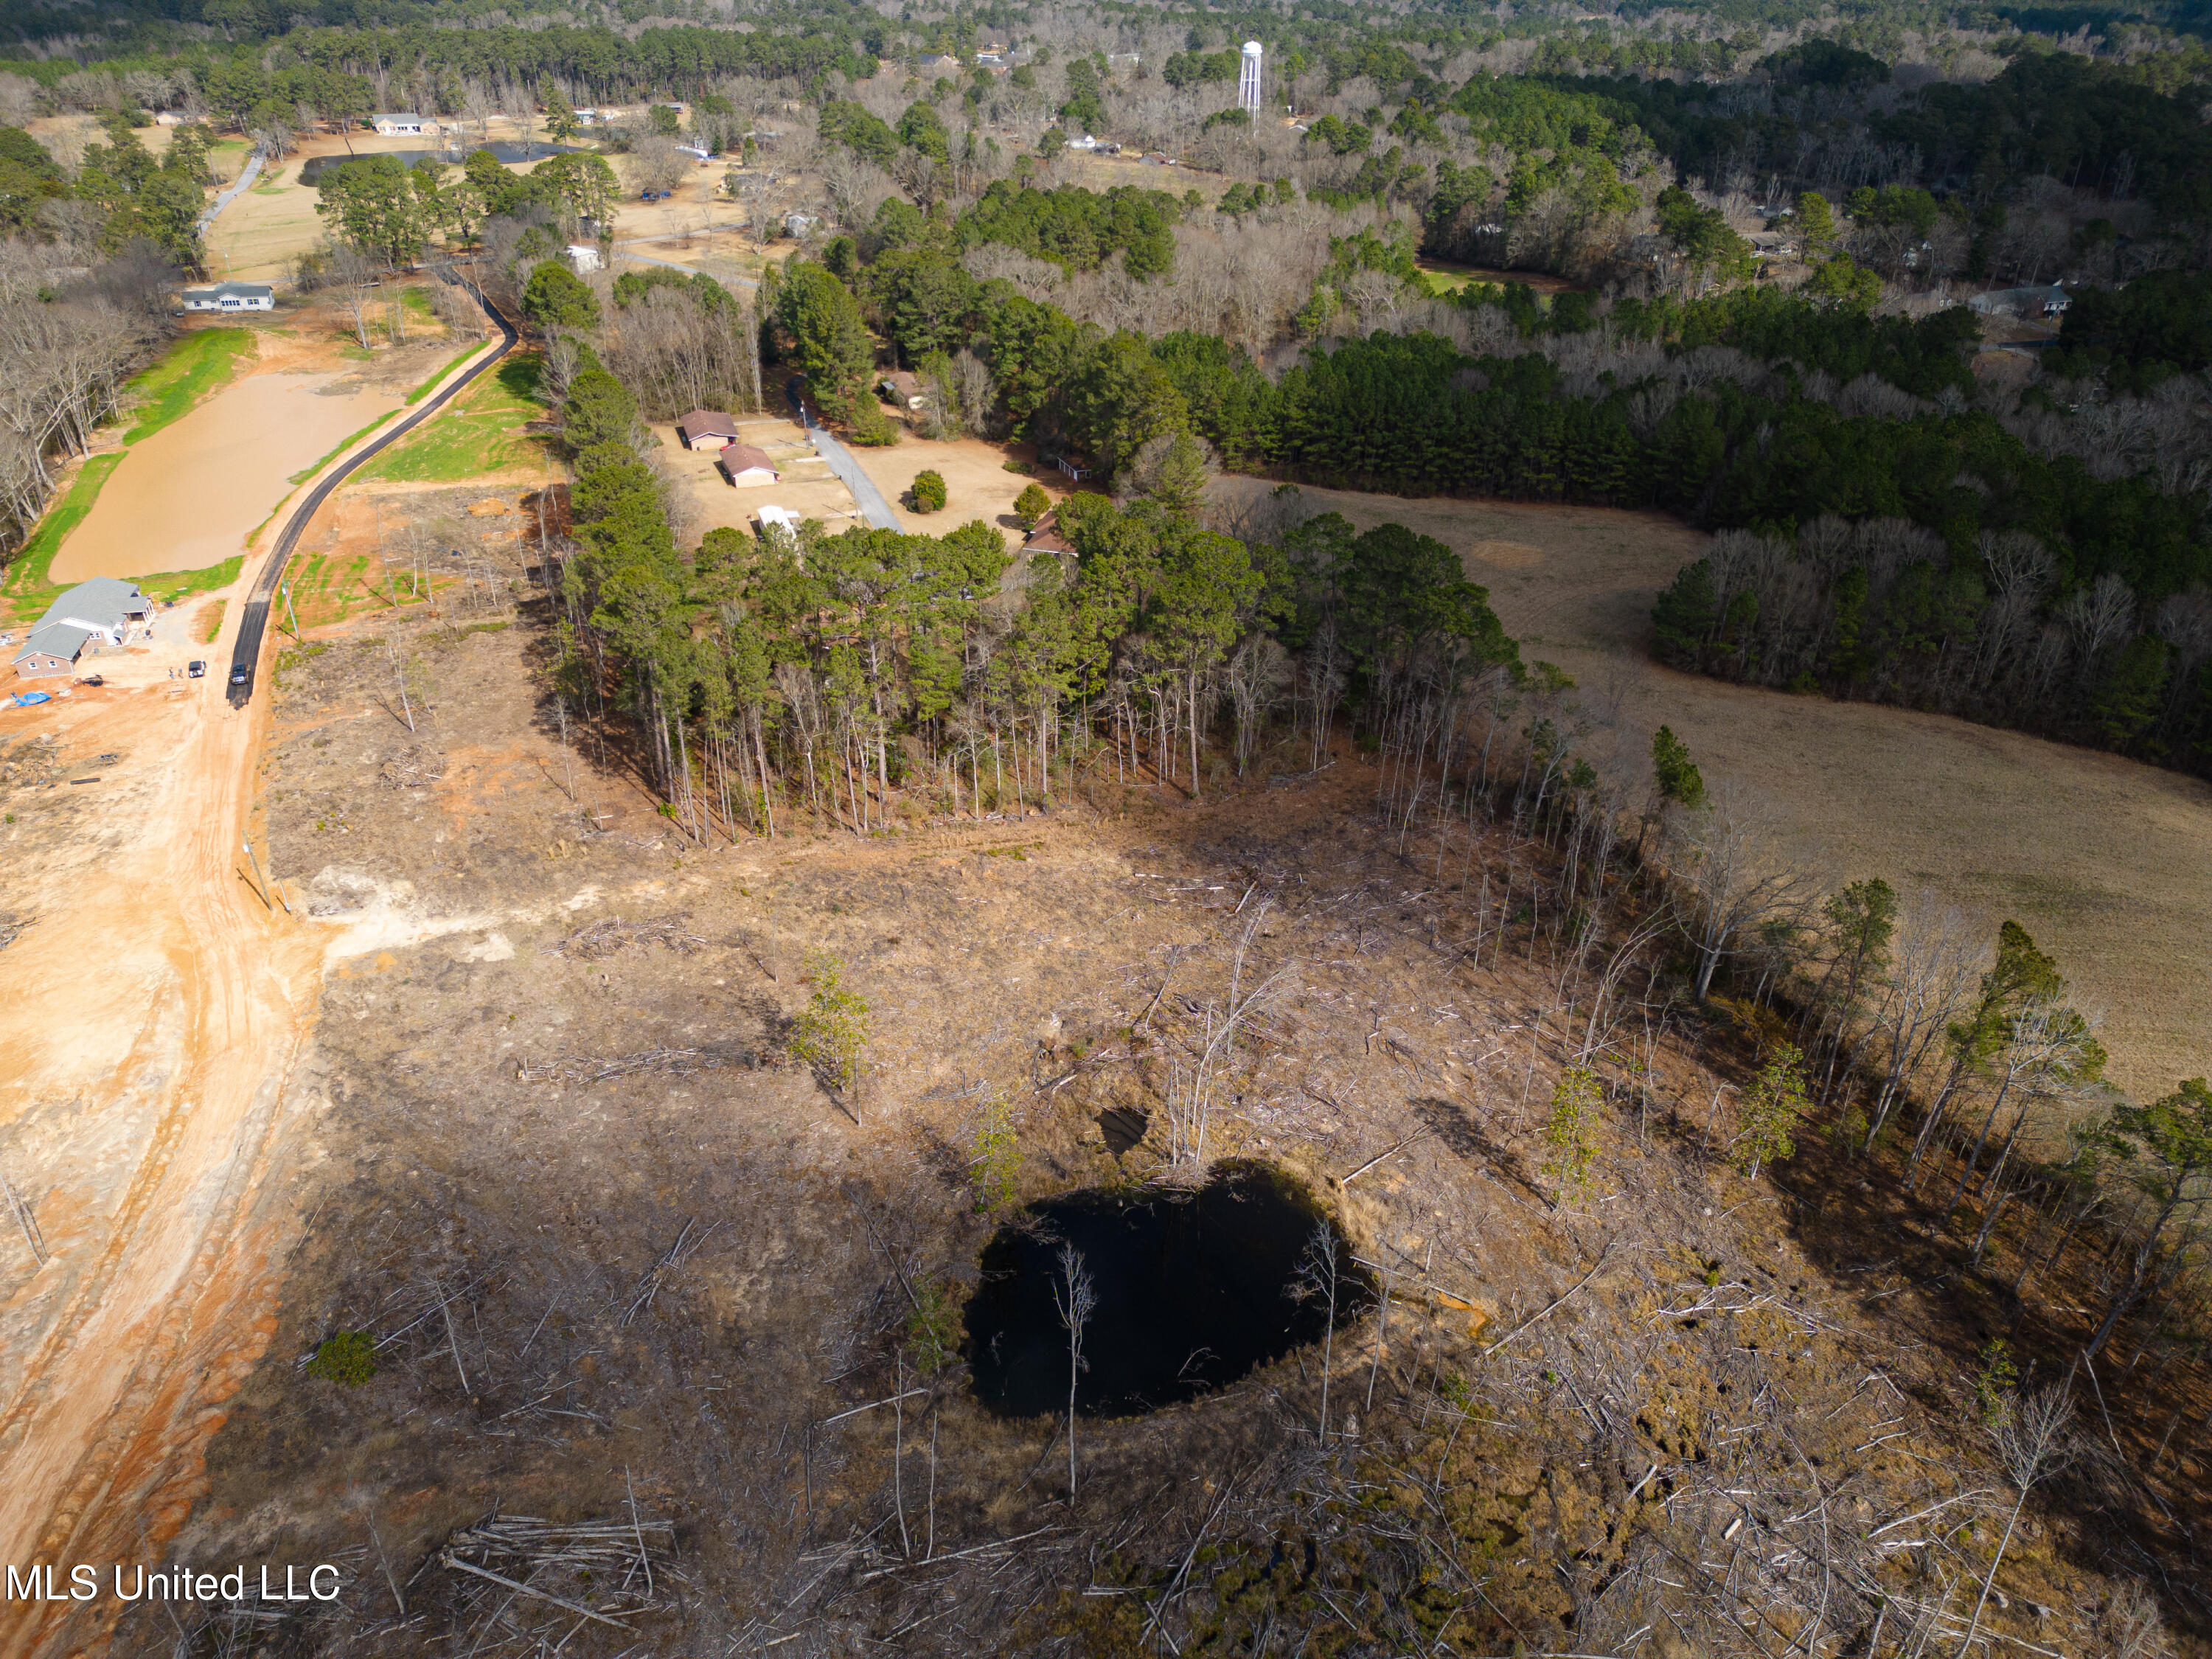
[870,499]
[247,653]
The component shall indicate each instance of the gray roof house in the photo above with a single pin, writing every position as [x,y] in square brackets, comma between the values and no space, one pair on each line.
[96,613]
[231,296]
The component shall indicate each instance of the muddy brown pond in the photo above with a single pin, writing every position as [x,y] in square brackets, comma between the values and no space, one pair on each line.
[1194,1290]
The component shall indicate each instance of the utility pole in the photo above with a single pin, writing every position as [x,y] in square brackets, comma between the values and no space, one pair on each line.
[288,611]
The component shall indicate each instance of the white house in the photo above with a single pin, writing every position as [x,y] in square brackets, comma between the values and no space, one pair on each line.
[97,612]
[796,225]
[172,118]
[2038,301]
[231,296]
[584,256]
[402,126]
[782,518]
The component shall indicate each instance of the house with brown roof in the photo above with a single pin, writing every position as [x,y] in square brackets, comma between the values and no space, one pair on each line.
[707,428]
[1047,539]
[743,465]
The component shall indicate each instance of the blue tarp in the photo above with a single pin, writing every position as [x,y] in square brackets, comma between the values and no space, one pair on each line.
[28,698]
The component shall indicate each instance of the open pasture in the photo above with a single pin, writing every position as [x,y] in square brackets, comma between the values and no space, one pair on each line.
[2106,861]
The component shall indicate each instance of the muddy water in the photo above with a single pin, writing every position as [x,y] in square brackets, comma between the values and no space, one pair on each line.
[188,497]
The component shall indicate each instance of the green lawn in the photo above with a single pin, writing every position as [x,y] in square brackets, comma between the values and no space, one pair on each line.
[431,385]
[29,589]
[472,437]
[204,359]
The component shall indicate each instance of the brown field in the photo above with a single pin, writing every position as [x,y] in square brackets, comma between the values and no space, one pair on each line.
[2103,859]
[705,501]
[976,482]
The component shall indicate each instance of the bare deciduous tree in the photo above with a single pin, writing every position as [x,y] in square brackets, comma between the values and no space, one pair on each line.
[1732,881]
[1076,1296]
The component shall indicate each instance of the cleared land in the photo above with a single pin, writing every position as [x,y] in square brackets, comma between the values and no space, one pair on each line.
[976,482]
[2104,860]
[704,500]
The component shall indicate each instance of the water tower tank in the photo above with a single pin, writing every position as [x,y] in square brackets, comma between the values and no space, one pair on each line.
[1248,79]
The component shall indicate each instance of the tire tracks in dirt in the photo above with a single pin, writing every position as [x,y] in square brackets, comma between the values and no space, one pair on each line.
[160,993]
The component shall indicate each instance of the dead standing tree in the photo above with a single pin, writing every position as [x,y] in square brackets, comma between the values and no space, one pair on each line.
[1191,1101]
[1076,1296]
[1729,884]
[1318,1280]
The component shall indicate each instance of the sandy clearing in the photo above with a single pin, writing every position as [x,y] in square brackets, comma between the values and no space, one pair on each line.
[2107,862]
[154,1013]
[188,497]
[142,1085]
[976,482]
[704,500]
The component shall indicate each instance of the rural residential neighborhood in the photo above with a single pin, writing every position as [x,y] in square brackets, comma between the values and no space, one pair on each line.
[1327,831]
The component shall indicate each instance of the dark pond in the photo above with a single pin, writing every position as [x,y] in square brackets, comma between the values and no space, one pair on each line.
[458,152]
[1194,1290]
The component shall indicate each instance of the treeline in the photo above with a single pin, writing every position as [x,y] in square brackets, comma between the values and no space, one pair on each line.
[1998,631]
[2070,645]
[128,194]
[1076,228]
[846,675]
[1417,415]
[2078,122]
[2138,337]
[67,354]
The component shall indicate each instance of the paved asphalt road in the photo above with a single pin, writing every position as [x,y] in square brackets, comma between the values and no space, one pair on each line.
[873,504]
[245,178]
[247,653]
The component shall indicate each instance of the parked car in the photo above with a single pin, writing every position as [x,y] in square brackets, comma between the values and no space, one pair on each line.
[198,670]
[241,674]
[91,679]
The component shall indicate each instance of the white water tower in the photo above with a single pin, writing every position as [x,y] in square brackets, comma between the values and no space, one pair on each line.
[1247,80]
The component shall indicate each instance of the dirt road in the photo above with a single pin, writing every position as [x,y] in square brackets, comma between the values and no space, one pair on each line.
[154,1010]
[153,1013]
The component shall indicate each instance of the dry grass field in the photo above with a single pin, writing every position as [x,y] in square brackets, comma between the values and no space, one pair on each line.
[702,500]
[2104,860]
[976,482]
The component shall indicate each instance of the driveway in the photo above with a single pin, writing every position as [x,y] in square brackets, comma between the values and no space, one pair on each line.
[871,502]
[245,177]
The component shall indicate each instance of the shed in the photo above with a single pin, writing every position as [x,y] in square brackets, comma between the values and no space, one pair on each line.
[231,296]
[93,614]
[746,467]
[782,518]
[901,388]
[707,428]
